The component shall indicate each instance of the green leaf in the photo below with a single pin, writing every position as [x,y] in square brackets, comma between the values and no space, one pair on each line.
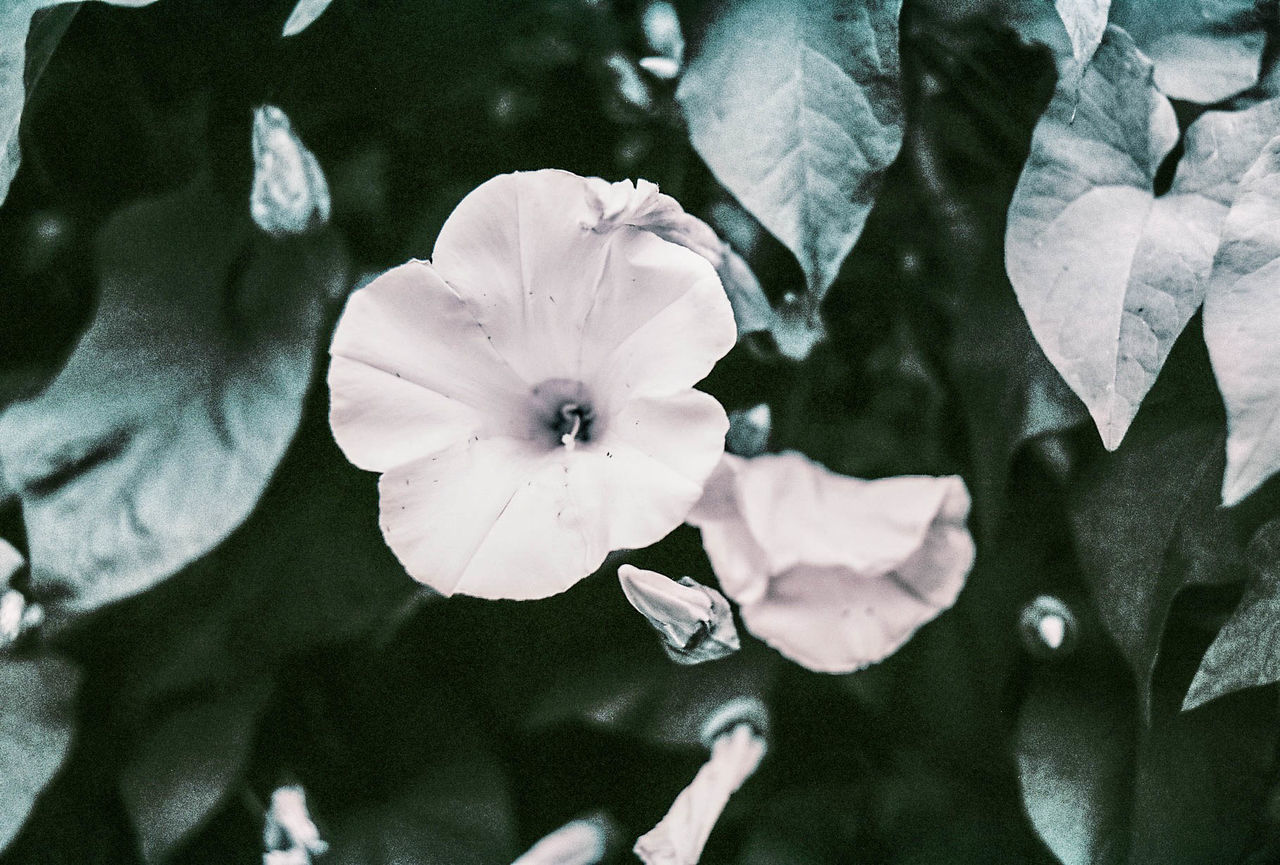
[15,20]
[1246,652]
[185,762]
[37,723]
[1145,517]
[1075,751]
[1107,272]
[456,810]
[162,430]
[796,108]
[1240,316]
[1204,50]
[1086,21]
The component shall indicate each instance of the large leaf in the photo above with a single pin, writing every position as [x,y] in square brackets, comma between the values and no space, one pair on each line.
[1241,313]
[163,428]
[796,108]
[15,19]
[1204,50]
[1246,652]
[1145,517]
[37,719]
[185,762]
[1107,272]
[1075,751]
[1103,789]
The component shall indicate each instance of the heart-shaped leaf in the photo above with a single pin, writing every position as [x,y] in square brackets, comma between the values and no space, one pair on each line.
[1107,272]
[160,433]
[1075,750]
[1203,51]
[15,20]
[796,108]
[185,762]
[1240,313]
[37,720]
[1246,652]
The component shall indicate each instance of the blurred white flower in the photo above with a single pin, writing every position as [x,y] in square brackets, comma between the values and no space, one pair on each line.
[290,194]
[695,622]
[585,841]
[16,615]
[528,394]
[834,572]
[289,836]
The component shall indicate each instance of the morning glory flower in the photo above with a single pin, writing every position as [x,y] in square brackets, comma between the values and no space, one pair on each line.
[528,394]
[834,572]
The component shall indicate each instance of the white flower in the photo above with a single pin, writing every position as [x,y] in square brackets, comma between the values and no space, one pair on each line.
[834,572]
[528,394]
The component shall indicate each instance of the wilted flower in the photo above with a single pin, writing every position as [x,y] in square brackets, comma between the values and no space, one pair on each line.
[528,394]
[834,572]
[695,622]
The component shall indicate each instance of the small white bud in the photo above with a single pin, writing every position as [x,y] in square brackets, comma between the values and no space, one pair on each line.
[290,194]
[630,85]
[749,430]
[694,621]
[662,68]
[1048,627]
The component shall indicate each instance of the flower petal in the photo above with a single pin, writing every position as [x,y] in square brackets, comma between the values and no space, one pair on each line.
[740,564]
[518,251]
[558,299]
[649,467]
[412,372]
[830,620]
[671,333]
[489,518]
[870,527]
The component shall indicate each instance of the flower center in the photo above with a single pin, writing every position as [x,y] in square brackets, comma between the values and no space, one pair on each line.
[564,413]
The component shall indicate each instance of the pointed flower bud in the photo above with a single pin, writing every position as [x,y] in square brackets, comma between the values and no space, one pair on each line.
[580,842]
[290,194]
[679,837]
[694,621]
[289,829]
[749,431]
[630,86]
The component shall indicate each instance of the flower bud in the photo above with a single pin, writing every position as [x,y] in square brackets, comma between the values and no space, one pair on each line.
[695,622]
[290,194]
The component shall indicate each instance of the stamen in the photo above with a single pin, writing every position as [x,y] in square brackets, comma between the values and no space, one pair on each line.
[573,417]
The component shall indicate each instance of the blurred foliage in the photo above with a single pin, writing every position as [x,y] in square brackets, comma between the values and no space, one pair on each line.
[455,731]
